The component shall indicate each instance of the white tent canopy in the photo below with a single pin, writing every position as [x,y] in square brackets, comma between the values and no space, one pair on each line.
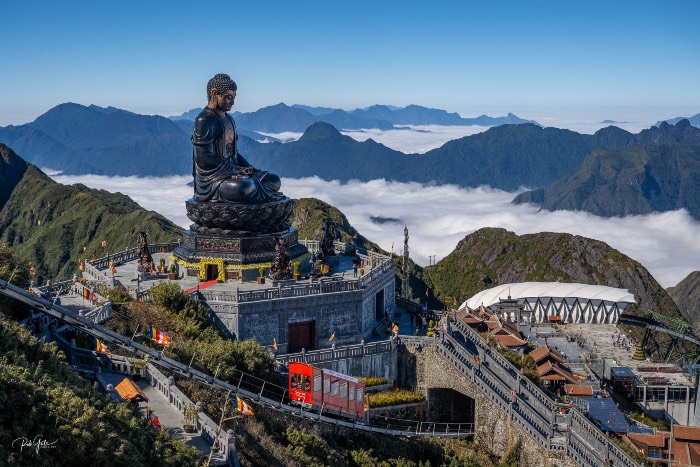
[572,302]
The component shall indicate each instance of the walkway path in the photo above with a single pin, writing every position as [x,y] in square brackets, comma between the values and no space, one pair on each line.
[170,418]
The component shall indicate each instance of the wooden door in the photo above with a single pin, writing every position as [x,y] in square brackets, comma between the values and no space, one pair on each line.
[301,336]
[212,272]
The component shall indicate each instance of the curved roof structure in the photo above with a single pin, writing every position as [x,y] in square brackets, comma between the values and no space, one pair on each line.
[548,289]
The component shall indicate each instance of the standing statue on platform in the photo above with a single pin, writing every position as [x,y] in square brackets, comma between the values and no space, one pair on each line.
[221,173]
[145,258]
[327,244]
[281,266]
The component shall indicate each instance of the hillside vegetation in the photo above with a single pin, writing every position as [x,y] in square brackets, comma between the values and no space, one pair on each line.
[686,294]
[493,256]
[49,224]
[637,180]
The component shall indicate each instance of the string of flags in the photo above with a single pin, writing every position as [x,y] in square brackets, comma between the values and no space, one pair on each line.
[160,337]
[32,270]
[242,407]
[332,336]
[101,347]
[274,343]
[152,418]
[395,329]
[104,244]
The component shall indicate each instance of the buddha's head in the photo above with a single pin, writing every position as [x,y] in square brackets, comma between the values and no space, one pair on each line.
[221,92]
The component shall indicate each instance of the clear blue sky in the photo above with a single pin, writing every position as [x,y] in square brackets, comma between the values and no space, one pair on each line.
[156,57]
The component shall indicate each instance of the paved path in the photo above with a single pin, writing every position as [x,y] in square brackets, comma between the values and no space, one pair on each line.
[170,418]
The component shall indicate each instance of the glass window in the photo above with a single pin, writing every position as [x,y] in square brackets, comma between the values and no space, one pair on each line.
[360,395]
[351,394]
[317,383]
[326,385]
[344,390]
[334,388]
[294,380]
[307,383]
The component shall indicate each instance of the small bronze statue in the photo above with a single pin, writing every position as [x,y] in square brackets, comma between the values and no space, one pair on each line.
[145,258]
[221,173]
[281,266]
[327,243]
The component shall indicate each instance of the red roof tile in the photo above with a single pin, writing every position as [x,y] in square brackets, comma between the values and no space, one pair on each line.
[539,353]
[690,433]
[509,341]
[579,390]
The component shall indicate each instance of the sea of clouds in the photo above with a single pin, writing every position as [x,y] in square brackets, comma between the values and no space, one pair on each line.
[439,216]
[409,139]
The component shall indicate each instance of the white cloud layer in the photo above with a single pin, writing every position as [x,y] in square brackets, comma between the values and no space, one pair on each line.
[408,139]
[438,217]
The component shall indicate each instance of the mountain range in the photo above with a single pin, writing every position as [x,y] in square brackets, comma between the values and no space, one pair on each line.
[694,120]
[102,141]
[51,224]
[109,141]
[282,118]
[659,171]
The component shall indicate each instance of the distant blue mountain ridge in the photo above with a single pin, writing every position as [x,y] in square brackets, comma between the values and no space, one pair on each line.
[281,118]
[694,120]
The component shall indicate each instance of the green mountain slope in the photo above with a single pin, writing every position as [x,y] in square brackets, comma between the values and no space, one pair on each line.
[42,398]
[686,294]
[308,217]
[495,256]
[49,223]
[636,180]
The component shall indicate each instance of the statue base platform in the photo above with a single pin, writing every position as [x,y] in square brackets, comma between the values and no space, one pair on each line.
[236,249]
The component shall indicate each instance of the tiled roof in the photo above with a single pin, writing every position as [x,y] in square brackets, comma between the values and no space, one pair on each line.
[580,390]
[509,341]
[539,353]
[690,433]
[654,441]
[129,392]
[544,368]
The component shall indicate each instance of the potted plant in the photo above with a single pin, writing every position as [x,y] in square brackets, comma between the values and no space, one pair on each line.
[190,413]
[172,275]
[161,268]
[297,266]
[139,364]
[362,272]
[261,278]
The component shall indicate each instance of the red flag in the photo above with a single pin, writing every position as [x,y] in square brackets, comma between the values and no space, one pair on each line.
[153,418]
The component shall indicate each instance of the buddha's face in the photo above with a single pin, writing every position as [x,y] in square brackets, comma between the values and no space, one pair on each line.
[224,101]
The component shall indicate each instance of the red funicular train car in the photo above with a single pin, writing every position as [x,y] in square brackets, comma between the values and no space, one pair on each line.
[327,389]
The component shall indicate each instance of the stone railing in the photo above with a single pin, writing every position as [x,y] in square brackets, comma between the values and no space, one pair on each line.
[320,286]
[335,353]
[92,273]
[129,255]
[223,442]
[58,287]
[530,407]
[377,271]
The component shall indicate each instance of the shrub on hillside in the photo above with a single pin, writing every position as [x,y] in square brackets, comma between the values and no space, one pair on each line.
[394,397]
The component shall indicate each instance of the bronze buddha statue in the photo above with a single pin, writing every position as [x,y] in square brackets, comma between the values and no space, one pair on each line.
[221,173]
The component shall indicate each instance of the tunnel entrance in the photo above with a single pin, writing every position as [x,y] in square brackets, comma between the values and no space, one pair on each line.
[449,406]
